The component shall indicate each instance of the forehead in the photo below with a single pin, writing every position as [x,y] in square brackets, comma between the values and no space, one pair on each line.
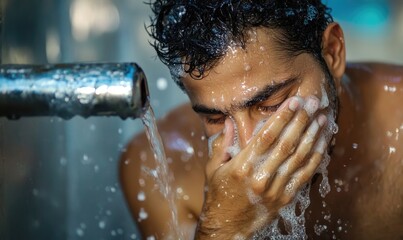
[243,71]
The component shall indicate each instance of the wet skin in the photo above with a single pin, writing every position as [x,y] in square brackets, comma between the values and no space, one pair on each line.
[365,171]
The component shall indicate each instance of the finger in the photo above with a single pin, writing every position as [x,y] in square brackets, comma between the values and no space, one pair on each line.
[259,145]
[274,126]
[304,175]
[299,158]
[218,145]
[287,142]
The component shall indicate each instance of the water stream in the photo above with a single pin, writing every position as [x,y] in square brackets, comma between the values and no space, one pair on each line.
[161,173]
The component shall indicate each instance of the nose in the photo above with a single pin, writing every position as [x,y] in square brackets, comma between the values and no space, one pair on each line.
[244,127]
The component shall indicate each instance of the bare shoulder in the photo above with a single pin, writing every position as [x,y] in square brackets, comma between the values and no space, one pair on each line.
[380,89]
[182,135]
[376,73]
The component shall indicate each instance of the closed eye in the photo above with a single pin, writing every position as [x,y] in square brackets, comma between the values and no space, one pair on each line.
[269,108]
[215,120]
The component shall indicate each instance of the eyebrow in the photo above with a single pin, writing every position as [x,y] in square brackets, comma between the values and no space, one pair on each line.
[262,95]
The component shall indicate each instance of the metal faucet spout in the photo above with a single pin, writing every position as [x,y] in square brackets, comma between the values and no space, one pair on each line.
[67,90]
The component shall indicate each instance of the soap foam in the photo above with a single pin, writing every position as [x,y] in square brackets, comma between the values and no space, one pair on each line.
[324,102]
[295,224]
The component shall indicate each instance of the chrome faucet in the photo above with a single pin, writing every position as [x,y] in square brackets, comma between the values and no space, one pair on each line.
[67,90]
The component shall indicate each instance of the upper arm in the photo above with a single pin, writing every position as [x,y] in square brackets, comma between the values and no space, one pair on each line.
[147,206]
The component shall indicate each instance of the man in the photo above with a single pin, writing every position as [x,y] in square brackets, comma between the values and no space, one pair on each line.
[269,82]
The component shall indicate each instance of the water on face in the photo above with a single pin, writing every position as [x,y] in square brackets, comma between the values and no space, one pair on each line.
[293,215]
[161,173]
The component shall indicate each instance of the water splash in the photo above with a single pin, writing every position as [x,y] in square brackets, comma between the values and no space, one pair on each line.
[161,173]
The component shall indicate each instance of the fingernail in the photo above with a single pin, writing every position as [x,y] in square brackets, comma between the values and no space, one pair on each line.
[294,104]
[322,120]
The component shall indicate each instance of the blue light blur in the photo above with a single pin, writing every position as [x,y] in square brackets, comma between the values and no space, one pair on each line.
[370,16]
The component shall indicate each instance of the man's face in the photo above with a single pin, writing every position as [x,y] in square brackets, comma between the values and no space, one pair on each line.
[248,85]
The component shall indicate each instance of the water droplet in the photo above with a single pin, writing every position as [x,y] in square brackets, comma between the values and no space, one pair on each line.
[355,145]
[120,131]
[35,192]
[79,232]
[142,182]
[162,84]
[179,190]
[63,161]
[143,156]
[189,150]
[86,160]
[143,214]
[141,196]
[102,224]
[389,88]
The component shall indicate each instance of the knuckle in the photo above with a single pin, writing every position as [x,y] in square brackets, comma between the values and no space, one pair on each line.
[304,177]
[302,118]
[258,187]
[268,136]
[287,147]
[271,196]
[240,173]
[298,159]
[284,116]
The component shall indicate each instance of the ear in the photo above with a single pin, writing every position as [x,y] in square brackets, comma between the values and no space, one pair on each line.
[334,50]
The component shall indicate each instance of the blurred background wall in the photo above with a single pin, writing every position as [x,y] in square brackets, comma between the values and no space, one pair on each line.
[58,179]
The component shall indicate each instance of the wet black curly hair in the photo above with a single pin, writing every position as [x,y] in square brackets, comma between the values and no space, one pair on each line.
[197,33]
